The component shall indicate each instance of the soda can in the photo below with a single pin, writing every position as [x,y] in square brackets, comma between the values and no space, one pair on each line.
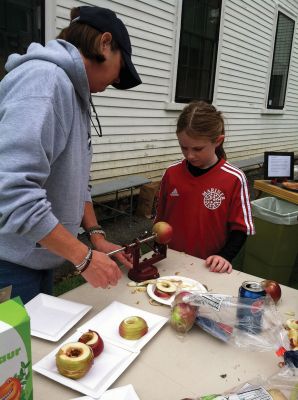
[250,307]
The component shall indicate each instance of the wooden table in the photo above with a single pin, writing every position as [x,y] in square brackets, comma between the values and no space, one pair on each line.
[275,190]
[168,367]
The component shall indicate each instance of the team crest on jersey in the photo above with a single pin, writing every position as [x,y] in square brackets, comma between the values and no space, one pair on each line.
[213,198]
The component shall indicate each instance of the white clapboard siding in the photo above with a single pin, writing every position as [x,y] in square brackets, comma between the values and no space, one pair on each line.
[138,131]
[242,80]
[138,128]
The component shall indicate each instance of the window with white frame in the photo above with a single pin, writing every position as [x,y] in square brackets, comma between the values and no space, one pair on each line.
[281,62]
[200,22]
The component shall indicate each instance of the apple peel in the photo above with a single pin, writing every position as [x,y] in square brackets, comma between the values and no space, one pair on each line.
[144,283]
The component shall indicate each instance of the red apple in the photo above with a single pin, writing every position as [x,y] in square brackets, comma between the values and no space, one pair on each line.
[161,294]
[183,314]
[163,231]
[93,340]
[180,296]
[272,288]
[183,317]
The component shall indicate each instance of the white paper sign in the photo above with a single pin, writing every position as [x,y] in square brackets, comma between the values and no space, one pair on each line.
[279,166]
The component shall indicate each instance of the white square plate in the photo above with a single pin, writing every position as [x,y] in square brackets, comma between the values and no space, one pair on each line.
[107,322]
[107,367]
[51,317]
[121,393]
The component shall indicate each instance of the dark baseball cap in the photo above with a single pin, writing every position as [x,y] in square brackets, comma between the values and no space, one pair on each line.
[105,20]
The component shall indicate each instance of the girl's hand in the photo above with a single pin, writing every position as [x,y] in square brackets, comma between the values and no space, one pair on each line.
[218,264]
[106,247]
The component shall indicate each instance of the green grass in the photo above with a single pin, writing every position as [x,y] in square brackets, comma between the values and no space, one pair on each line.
[68,283]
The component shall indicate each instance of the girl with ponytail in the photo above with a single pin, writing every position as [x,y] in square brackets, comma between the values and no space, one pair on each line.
[203,197]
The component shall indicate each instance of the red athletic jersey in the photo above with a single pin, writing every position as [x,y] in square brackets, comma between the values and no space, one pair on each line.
[202,210]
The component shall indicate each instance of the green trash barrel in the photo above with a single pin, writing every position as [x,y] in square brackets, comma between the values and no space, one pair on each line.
[272,251]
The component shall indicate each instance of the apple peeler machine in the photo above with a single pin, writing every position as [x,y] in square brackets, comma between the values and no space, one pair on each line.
[143,269]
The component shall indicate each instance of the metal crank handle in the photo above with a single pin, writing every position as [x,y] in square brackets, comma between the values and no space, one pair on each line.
[111,253]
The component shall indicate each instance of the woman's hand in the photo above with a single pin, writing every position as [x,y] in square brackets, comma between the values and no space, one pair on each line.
[106,247]
[218,264]
[102,271]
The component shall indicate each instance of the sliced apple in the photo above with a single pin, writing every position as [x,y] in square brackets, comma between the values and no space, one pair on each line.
[166,286]
[74,360]
[93,340]
[162,295]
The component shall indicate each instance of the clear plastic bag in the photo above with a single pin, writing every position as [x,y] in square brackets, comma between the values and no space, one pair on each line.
[252,324]
[280,386]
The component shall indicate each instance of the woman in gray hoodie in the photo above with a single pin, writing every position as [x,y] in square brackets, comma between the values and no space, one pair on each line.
[45,152]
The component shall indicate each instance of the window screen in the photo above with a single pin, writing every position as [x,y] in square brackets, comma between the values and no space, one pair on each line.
[281,62]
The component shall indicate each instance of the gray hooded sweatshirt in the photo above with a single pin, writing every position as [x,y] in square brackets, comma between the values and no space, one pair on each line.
[45,150]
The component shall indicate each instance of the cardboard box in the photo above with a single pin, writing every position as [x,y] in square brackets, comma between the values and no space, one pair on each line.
[15,352]
[147,200]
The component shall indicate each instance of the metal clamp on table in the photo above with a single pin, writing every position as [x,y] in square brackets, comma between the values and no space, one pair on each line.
[115,186]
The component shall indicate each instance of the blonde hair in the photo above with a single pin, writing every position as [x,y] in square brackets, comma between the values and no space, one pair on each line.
[201,119]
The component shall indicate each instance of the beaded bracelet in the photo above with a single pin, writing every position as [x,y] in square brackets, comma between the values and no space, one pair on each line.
[85,263]
[96,230]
